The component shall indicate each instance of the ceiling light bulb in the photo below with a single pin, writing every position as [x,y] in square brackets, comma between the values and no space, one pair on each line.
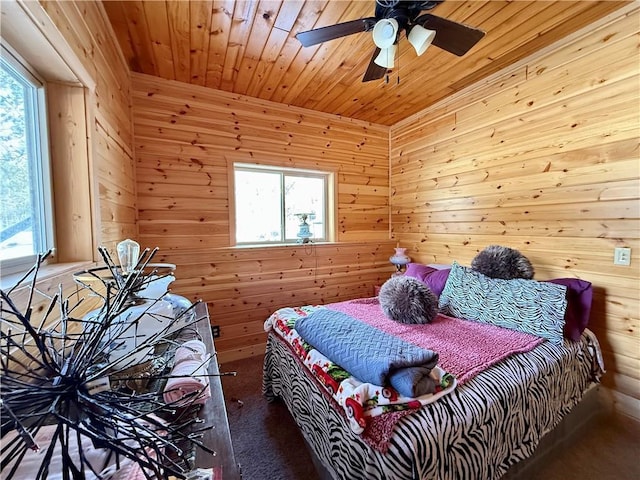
[385,32]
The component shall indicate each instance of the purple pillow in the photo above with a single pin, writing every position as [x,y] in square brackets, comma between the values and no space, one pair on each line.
[579,298]
[418,271]
[437,280]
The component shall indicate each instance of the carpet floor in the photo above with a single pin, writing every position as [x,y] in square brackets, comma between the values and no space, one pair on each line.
[268,445]
[266,441]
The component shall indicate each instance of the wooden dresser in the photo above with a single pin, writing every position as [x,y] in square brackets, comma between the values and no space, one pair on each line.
[214,413]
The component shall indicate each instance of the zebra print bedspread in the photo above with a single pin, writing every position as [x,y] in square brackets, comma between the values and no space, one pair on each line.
[477,432]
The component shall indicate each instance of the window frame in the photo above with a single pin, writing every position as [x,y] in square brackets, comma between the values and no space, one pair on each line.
[326,176]
[34,37]
[37,133]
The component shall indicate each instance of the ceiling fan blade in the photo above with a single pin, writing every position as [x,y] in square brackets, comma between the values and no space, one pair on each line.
[374,71]
[451,36]
[331,32]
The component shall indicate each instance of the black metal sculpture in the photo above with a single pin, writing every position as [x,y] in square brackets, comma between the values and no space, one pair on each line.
[55,377]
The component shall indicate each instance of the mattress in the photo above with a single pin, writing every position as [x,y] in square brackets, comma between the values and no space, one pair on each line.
[479,430]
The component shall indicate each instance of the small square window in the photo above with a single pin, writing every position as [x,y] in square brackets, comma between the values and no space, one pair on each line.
[275,205]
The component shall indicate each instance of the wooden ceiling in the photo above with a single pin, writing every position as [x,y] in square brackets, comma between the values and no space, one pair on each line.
[249,47]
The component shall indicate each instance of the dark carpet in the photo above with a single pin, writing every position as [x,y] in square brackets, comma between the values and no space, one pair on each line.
[269,446]
[606,448]
[266,441]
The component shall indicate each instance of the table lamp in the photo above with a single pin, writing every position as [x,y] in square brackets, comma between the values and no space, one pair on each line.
[400,259]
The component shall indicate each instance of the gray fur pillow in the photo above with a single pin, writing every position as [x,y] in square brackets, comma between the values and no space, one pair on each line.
[502,262]
[407,300]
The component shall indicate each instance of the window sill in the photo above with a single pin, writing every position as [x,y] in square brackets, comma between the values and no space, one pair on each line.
[268,245]
[46,272]
[256,246]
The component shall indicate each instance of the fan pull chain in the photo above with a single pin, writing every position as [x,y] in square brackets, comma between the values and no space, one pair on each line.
[398,75]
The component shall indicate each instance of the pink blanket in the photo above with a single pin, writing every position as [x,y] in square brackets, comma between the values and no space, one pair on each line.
[189,379]
[465,348]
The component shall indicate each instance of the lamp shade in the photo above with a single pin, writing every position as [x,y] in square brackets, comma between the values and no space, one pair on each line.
[386,57]
[421,38]
[385,32]
[400,258]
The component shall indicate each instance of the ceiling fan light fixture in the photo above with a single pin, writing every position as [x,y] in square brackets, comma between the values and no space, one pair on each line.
[421,38]
[386,57]
[385,32]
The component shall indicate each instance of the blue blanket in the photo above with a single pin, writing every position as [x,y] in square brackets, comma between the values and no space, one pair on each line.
[369,354]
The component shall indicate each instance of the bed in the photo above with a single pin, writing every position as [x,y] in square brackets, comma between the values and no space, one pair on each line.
[476,423]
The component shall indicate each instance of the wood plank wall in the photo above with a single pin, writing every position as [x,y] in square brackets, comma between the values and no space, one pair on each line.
[186,140]
[86,28]
[542,158]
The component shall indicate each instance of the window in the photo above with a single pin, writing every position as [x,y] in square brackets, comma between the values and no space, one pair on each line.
[270,204]
[26,218]
[55,158]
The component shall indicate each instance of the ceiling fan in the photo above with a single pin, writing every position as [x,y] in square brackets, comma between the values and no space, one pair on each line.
[391,18]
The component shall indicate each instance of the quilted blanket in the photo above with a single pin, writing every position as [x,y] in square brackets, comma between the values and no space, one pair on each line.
[370,354]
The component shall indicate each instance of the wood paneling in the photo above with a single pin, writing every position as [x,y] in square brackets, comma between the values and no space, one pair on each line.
[243,286]
[93,189]
[87,30]
[249,47]
[187,138]
[70,172]
[542,157]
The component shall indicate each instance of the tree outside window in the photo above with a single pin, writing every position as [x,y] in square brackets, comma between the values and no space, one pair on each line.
[25,217]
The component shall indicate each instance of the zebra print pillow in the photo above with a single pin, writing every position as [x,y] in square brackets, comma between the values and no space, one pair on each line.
[529,306]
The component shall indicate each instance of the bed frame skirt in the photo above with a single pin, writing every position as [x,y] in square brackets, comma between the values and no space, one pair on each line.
[589,408]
